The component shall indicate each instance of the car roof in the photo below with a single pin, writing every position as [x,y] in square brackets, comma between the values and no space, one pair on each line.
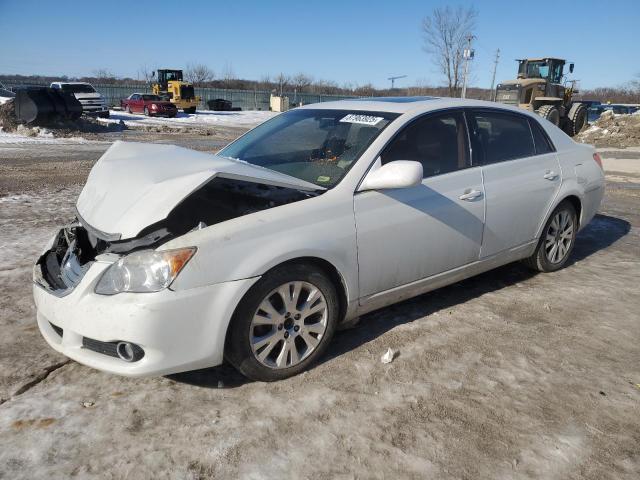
[408,104]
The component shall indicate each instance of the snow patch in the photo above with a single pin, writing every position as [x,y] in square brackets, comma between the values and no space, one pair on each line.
[203,118]
[42,136]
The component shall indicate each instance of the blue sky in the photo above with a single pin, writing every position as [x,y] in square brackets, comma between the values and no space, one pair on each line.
[344,41]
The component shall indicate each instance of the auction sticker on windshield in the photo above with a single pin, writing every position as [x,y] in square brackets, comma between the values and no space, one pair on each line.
[363,119]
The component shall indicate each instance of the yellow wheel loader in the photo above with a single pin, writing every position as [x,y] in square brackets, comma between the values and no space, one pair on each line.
[541,87]
[169,85]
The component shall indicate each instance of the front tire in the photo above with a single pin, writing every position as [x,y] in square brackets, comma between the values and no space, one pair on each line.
[557,240]
[283,324]
[146,112]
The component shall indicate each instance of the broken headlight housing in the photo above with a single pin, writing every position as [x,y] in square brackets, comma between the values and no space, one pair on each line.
[144,271]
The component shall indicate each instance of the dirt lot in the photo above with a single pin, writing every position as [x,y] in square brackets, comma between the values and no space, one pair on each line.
[506,375]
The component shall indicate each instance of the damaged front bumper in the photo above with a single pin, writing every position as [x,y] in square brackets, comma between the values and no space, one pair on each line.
[176,330]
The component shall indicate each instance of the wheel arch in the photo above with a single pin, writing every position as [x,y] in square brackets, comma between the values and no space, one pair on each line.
[570,197]
[336,277]
[577,205]
[322,264]
[331,271]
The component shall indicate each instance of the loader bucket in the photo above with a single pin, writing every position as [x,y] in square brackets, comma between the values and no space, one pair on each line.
[43,105]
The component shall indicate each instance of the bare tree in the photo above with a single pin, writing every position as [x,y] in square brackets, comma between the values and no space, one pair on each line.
[445,32]
[366,90]
[635,84]
[301,82]
[198,74]
[103,75]
[228,75]
[283,81]
[145,73]
[265,82]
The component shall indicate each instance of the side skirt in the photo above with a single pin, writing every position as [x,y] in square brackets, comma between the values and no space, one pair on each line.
[413,289]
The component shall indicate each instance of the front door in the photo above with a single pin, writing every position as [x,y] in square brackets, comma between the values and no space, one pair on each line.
[409,234]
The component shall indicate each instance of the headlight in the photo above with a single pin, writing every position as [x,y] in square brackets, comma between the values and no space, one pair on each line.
[144,271]
[154,106]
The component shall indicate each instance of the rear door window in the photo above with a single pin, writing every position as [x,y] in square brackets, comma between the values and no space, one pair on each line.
[500,136]
[438,142]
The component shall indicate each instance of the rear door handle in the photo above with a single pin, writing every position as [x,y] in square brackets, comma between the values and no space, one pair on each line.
[550,175]
[470,195]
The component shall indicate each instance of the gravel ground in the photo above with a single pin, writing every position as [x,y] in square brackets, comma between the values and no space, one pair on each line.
[506,375]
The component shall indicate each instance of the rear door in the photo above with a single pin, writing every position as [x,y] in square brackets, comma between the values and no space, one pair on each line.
[521,176]
[409,234]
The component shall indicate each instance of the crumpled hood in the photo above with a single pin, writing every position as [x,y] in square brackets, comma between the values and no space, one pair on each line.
[134,185]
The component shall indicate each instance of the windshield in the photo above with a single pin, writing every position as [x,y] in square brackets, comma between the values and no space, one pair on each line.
[152,98]
[78,88]
[318,146]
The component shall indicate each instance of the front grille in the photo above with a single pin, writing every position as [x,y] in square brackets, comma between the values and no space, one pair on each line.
[106,348]
[57,329]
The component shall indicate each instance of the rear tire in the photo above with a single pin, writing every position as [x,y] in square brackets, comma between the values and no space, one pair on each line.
[576,119]
[556,241]
[271,337]
[551,113]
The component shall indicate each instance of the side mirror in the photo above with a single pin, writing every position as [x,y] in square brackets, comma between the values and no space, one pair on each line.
[571,65]
[397,174]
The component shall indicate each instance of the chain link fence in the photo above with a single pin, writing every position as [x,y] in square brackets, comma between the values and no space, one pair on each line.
[244,99]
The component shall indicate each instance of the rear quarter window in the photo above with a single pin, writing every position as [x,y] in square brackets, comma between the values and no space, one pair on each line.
[500,137]
[540,139]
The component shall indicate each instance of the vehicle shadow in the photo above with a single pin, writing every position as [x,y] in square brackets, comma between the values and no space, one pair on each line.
[602,232]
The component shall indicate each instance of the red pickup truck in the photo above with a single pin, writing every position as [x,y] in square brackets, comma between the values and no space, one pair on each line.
[150,105]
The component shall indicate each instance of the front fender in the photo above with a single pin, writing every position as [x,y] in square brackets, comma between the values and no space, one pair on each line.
[249,246]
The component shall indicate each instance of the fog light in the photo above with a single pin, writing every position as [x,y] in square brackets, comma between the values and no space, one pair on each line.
[129,352]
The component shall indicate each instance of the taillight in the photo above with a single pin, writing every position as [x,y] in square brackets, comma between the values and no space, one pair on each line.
[598,160]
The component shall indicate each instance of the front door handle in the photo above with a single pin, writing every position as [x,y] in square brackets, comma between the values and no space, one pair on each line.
[550,175]
[470,195]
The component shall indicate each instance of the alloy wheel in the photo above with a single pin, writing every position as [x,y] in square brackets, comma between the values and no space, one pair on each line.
[288,325]
[559,236]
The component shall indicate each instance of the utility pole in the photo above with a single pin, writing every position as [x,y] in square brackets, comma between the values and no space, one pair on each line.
[393,80]
[492,96]
[467,54]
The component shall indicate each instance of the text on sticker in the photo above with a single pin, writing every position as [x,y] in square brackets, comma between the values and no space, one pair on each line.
[364,119]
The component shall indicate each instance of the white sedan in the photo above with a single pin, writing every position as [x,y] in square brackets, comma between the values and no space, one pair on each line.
[178,259]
